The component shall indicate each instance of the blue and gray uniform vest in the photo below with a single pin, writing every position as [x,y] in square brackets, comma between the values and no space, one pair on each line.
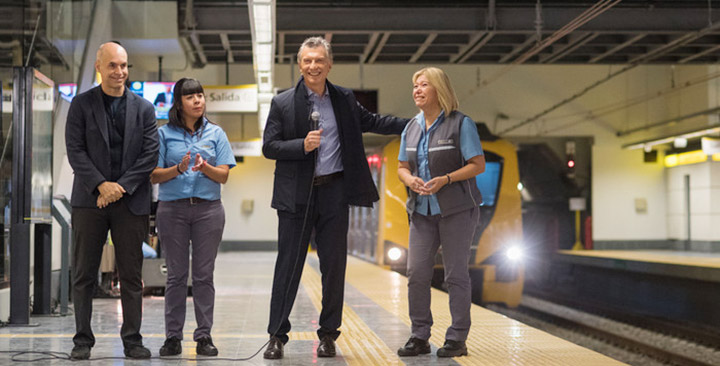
[444,156]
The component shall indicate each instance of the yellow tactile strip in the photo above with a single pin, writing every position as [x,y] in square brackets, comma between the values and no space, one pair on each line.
[494,339]
[303,336]
[359,345]
[649,256]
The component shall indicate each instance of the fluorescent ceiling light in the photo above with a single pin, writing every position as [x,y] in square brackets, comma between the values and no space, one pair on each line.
[668,139]
[262,28]
[263,57]
[262,16]
[263,36]
[680,143]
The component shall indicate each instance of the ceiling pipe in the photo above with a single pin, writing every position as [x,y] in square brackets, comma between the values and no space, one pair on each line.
[491,20]
[589,14]
[635,62]
[669,121]
[12,44]
[567,100]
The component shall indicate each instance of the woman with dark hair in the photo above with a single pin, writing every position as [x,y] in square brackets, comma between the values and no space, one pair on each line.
[195,159]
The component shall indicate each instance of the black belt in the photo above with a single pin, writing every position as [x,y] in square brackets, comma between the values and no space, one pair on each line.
[192,200]
[324,179]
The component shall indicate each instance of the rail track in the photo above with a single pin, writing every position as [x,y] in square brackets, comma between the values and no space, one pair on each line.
[640,340]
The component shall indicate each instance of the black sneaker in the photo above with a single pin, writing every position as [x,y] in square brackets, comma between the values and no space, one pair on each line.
[171,347]
[414,347]
[137,351]
[80,352]
[452,349]
[205,347]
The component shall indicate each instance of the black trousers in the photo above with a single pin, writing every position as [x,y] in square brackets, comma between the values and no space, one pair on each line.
[328,216]
[90,230]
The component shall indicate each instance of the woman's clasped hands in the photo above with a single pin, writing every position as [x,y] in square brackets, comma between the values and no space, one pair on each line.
[423,188]
[197,166]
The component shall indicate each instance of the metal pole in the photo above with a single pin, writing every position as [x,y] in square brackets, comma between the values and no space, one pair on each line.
[20,228]
[65,243]
[160,68]
[688,244]
[42,272]
[361,72]
[227,67]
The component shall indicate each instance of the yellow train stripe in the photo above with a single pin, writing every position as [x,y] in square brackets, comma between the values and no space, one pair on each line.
[493,340]
[359,344]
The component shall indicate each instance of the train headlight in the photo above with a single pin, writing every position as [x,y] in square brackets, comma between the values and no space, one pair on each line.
[514,254]
[394,254]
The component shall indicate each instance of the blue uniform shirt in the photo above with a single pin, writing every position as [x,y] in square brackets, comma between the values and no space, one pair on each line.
[469,146]
[212,144]
[329,158]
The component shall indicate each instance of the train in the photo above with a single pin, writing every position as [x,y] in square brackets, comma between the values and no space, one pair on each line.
[380,234]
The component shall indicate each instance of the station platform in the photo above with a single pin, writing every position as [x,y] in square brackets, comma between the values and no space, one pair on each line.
[670,286]
[375,324]
[680,264]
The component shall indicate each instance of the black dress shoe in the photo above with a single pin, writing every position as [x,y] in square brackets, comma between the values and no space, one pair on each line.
[326,347]
[274,350]
[452,349]
[414,347]
[205,347]
[171,347]
[137,351]
[80,352]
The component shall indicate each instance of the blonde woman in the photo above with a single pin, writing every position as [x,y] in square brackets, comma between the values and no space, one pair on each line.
[440,155]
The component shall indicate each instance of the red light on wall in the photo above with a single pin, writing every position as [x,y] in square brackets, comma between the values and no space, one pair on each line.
[571,163]
[373,160]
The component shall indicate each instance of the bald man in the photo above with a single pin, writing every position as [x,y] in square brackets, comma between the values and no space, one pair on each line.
[112,146]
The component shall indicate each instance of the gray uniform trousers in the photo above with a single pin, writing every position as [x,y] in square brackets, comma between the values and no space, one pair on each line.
[427,234]
[179,223]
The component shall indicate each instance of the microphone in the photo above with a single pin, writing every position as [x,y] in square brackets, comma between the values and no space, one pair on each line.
[314,120]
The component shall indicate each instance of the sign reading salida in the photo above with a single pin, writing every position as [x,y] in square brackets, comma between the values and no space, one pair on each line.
[231,98]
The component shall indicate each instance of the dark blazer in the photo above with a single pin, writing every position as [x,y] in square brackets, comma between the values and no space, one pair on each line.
[88,149]
[287,125]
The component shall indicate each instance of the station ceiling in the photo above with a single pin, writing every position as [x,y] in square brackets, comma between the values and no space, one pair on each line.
[422,31]
[465,32]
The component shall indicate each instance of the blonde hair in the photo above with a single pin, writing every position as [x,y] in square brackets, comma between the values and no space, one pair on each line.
[441,82]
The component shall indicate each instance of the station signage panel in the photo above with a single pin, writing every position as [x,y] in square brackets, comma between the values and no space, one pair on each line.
[42,99]
[247,148]
[231,98]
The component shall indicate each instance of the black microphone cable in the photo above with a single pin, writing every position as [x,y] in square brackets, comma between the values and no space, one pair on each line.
[314,118]
[52,355]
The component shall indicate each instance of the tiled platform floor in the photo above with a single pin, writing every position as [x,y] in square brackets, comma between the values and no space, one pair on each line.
[375,324]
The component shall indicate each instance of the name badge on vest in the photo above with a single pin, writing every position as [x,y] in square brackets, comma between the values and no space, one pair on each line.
[445,142]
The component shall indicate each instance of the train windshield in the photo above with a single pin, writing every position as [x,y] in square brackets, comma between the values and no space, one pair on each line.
[488,182]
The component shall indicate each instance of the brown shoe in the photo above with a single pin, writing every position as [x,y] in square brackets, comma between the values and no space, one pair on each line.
[274,350]
[326,347]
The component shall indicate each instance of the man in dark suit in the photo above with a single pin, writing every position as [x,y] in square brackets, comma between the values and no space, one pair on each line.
[112,146]
[320,170]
